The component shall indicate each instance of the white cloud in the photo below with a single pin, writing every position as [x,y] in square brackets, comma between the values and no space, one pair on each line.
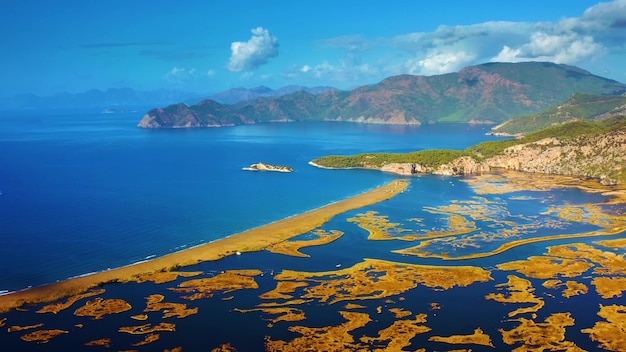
[349,70]
[178,75]
[352,43]
[248,56]
[439,63]
[597,35]
[567,48]
[246,76]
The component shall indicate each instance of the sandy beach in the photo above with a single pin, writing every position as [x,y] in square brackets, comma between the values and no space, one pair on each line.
[248,241]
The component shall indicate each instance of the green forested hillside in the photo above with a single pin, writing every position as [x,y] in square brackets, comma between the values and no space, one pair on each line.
[587,107]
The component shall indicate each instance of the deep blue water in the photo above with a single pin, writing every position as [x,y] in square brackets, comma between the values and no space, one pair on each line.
[84,191]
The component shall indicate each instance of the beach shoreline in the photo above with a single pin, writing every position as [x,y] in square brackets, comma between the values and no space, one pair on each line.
[252,240]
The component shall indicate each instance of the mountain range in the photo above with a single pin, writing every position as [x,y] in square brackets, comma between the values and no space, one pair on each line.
[111,98]
[487,93]
[236,95]
[115,98]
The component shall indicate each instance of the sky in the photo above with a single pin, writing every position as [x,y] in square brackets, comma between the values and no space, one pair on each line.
[209,46]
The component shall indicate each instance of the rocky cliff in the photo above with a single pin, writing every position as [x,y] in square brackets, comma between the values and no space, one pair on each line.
[461,166]
[587,149]
[598,156]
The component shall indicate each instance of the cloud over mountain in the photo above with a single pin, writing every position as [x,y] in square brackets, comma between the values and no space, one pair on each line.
[248,56]
[597,32]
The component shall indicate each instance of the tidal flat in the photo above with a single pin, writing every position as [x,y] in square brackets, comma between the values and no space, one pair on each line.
[504,261]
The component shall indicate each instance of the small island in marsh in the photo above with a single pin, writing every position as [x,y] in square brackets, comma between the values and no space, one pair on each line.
[268,167]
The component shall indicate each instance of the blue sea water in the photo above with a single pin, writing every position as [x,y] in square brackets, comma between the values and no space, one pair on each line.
[82,191]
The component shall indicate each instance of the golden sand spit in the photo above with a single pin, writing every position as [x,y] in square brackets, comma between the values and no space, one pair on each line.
[400,313]
[175,349]
[543,267]
[155,303]
[293,302]
[549,335]
[328,338]
[552,284]
[292,248]
[434,306]
[15,328]
[609,263]
[164,276]
[520,291]
[375,279]
[619,243]
[399,335]
[43,336]
[252,240]
[282,290]
[224,348]
[57,307]
[228,281]
[574,289]
[379,227]
[283,313]
[106,343]
[354,306]
[3,321]
[147,328]
[610,333]
[100,307]
[420,252]
[609,287]
[148,339]
[477,338]
[140,317]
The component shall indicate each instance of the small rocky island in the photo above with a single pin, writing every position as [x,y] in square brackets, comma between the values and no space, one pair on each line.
[268,167]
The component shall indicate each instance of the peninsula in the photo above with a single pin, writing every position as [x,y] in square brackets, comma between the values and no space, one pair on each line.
[586,149]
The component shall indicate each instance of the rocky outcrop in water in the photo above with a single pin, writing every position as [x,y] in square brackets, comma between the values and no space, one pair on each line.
[268,167]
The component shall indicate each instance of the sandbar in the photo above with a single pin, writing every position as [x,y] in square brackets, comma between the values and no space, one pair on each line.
[251,240]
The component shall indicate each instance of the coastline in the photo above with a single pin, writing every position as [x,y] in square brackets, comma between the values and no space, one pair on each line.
[255,239]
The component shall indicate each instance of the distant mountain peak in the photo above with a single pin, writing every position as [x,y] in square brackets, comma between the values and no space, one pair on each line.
[487,93]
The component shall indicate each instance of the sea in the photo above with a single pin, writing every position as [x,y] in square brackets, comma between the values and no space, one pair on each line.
[83,191]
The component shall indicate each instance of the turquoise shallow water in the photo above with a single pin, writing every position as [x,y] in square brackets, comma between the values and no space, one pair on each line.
[84,191]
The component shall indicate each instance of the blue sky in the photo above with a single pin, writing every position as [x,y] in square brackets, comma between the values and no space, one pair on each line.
[210,46]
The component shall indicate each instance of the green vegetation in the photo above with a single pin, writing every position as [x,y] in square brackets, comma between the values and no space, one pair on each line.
[562,132]
[587,107]
[429,158]
[575,133]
